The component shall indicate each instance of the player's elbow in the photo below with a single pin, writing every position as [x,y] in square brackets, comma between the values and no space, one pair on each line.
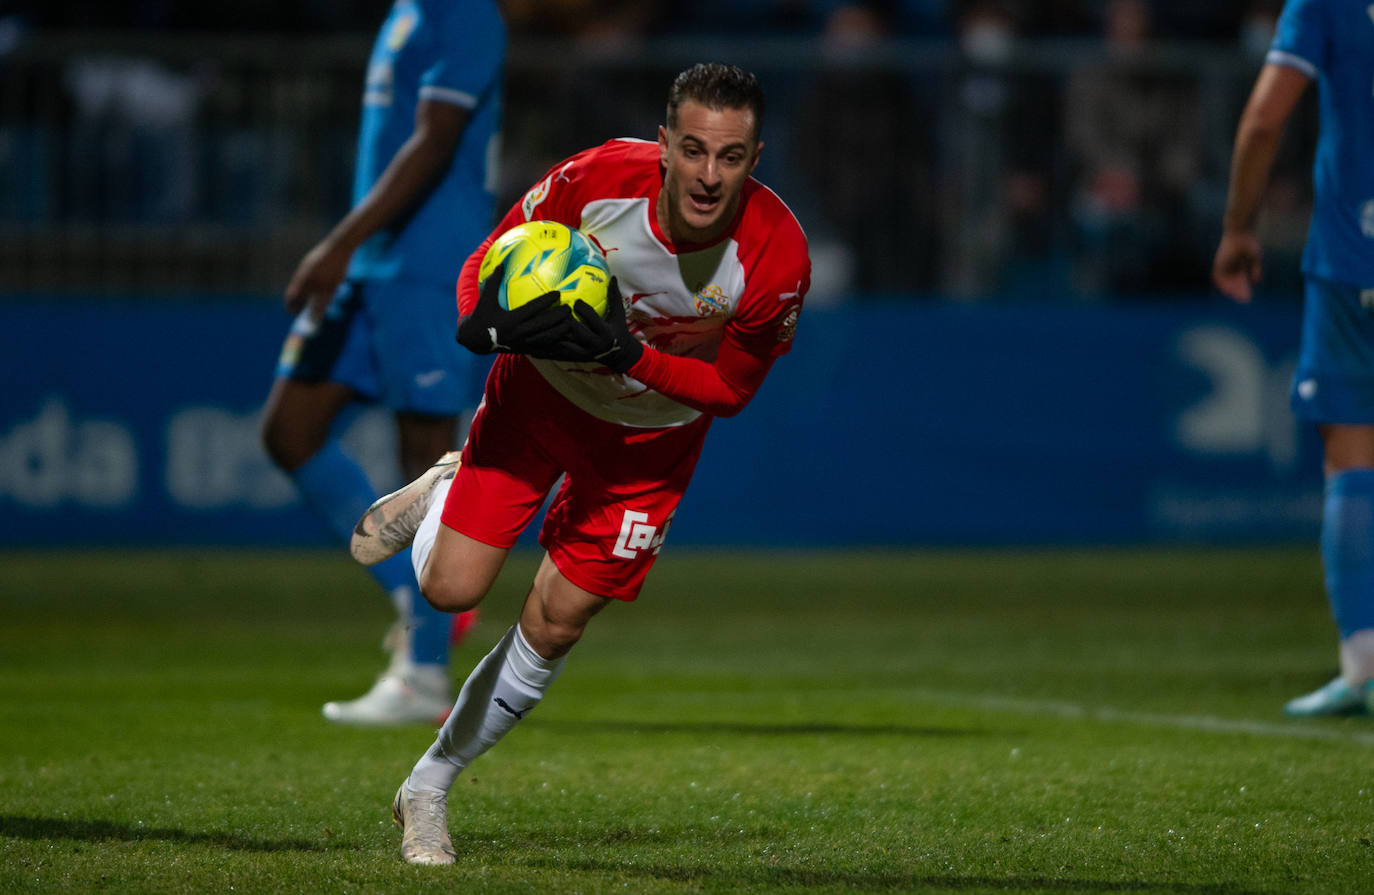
[1261,124]
[728,406]
[729,398]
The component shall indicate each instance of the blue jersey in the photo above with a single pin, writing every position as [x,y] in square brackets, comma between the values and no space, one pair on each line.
[448,51]
[1333,42]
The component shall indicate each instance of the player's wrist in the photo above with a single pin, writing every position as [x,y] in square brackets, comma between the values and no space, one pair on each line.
[625,356]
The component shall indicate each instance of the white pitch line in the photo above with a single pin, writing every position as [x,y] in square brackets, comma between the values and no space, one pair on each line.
[1209,723]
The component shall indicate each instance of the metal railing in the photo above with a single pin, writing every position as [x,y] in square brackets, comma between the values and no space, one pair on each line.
[174,164]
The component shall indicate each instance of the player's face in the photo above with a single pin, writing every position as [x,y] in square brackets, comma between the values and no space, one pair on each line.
[706,158]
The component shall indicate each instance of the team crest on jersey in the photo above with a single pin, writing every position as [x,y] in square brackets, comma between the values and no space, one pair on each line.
[537,194]
[401,29]
[711,300]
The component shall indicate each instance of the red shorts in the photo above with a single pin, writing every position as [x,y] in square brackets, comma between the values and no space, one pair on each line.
[621,485]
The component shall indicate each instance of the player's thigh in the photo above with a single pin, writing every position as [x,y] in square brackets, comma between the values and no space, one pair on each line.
[1347,447]
[460,570]
[507,469]
[607,525]
[556,612]
[297,417]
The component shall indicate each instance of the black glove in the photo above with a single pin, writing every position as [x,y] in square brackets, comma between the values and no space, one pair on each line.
[606,340]
[534,328]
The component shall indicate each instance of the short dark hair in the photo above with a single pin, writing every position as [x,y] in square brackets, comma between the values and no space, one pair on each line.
[717,86]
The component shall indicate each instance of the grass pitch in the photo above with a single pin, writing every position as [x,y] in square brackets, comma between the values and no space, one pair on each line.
[833,722]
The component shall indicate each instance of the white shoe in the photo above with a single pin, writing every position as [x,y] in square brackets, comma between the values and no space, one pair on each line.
[423,819]
[413,695]
[389,525]
[1334,698]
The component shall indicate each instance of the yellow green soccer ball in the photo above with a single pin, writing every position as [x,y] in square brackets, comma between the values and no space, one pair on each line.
[545,255]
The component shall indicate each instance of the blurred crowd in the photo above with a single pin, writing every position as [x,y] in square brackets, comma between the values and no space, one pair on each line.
[1004,175]
[1181,19]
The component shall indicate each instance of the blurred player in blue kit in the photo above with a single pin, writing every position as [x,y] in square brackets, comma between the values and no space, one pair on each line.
[376,315]
[1331,42]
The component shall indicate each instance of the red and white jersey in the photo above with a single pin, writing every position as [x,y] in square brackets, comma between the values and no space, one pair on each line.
[680,300]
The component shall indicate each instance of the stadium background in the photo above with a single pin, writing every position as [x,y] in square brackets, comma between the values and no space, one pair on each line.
[1011,339]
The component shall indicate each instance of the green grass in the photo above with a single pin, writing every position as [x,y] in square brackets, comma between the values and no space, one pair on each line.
[831,722]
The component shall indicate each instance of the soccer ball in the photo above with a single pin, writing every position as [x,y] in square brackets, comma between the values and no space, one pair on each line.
[541,256]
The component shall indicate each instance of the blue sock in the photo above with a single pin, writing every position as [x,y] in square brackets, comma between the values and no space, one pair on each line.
[1348,549]
[337,490]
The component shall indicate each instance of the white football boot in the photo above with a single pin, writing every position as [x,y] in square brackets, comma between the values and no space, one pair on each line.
[423,819]
[1336,697]
[404,694]
[389,525]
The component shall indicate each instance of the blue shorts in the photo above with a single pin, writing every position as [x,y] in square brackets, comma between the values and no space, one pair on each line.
[1334,382]
[393,343]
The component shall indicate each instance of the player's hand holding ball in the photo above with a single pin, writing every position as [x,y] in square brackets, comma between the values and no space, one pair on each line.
[533,328]
[528,282]
[606,340]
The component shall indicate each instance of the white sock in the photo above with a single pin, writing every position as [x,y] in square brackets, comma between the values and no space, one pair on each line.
[501,690]
[1357,657]
[423,543]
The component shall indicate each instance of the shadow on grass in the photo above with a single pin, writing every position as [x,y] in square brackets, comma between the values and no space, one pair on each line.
[44,828]
[745,728]
[762,879]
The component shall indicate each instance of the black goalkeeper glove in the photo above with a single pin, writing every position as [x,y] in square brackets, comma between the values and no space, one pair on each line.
[606,340]
[535,328]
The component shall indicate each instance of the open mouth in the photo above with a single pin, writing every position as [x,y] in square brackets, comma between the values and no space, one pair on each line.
[703,203]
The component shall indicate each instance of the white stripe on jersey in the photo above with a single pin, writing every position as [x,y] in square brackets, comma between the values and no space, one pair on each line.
[1279,57]
[449,95]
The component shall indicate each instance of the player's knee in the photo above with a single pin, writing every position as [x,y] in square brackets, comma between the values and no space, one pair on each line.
[450,592]
[555,637]
[284,450]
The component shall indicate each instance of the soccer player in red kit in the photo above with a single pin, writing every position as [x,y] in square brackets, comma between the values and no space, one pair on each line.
[709,269]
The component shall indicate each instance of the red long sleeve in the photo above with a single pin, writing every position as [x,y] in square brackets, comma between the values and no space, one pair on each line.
[719,389]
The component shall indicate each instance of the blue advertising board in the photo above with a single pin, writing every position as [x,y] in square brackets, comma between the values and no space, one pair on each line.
[893,423]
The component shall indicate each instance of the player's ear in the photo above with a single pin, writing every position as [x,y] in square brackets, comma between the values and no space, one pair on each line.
[758,151]
[663,145]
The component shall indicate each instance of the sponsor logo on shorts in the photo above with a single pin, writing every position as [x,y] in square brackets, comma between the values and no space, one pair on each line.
[638,536]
